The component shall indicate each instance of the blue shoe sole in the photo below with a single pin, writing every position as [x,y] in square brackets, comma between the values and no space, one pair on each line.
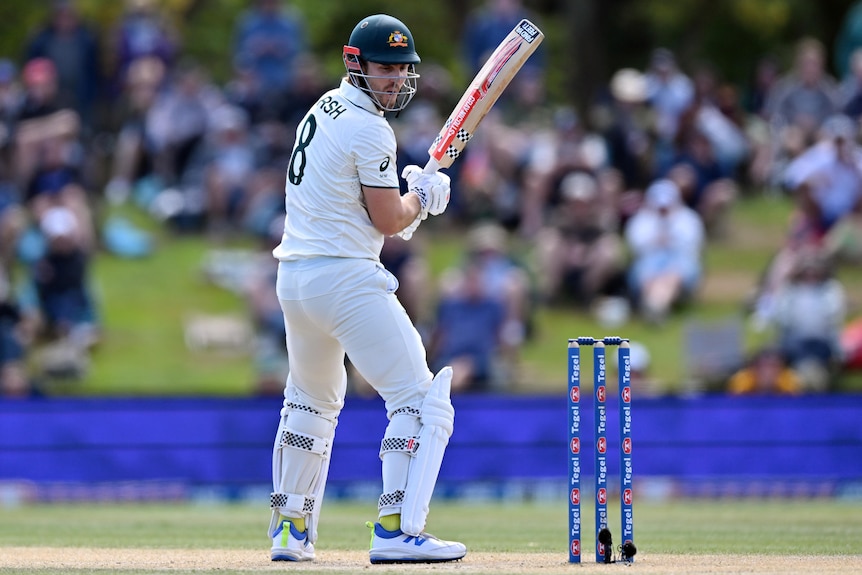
[284,558]
[385,561]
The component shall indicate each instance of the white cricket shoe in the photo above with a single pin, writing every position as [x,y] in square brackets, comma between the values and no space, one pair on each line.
[288,544]
[398,547]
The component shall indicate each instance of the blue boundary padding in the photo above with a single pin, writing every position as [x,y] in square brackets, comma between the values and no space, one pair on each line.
[229,441]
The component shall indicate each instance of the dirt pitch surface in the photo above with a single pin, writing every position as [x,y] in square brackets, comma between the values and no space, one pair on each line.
[200,560]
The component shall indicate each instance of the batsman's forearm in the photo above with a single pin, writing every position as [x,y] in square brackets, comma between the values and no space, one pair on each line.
[401,216]
[390,212]
[412,208]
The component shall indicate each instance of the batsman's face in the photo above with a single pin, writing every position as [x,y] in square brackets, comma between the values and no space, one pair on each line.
[386,80]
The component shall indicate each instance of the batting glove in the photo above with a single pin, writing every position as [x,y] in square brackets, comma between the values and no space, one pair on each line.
[433,189]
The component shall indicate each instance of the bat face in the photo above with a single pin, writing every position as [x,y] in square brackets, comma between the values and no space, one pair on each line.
[506,51]
[484,90]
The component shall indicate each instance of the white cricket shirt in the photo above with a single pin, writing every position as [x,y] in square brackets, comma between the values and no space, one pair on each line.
[342,143]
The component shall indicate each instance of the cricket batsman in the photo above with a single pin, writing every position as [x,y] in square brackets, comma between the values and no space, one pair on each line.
[342,199]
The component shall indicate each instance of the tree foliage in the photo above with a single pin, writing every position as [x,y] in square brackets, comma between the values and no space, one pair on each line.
[587,40]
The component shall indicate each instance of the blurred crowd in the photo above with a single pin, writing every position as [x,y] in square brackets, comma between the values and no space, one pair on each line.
[609,211]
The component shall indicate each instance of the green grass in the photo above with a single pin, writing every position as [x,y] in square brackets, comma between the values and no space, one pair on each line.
[144,302]
[815,527]
[144,351]
[679,537]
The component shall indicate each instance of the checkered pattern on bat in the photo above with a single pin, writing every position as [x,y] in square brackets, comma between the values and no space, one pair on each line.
[451,151]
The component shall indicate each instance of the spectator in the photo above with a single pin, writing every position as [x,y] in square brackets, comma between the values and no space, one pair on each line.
[628,134]
[717,113]
[825,181]
[829,173]
[143,31]
[489,182]
[525,106]
[669,92]
[272,123]
[42,90]
[804,97]
[502,278]
[765,75]
[766,373]
[134,161]
[764,148]
[73,49]
[178,120]
[523,144]
[265,206]
[43,119]
[705,185]
[229,164]
[548,157]
[666,240]
[580,254]
[57,182]
[810,311]
[48,153]
[468,333]
[241,175]
[245,90]
[804,235]
[269,38]
[61,278]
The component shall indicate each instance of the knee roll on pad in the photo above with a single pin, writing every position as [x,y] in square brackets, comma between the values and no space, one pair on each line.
[438,412]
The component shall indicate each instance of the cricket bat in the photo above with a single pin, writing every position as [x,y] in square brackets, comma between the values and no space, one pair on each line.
[484,90]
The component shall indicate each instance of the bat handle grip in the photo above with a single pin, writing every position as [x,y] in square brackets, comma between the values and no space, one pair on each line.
[432,166]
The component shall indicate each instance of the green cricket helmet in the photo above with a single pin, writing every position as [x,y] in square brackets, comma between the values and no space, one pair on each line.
[385,40]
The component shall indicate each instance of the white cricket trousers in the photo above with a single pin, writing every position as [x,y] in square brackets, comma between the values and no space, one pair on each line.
[334,306]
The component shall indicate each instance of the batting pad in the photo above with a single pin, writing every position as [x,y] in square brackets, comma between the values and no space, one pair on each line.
[300,464]
[400,444]
[438,420]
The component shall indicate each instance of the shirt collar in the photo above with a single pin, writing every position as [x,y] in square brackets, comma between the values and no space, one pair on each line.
[357,97]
